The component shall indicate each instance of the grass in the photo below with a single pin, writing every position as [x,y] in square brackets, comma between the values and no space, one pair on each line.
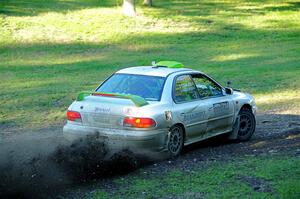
[251,177]
[51,50]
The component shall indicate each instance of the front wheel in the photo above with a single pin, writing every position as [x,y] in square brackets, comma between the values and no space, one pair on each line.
[175,141]
[246,126]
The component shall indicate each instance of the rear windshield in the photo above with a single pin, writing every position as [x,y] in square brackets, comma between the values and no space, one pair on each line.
[148,87]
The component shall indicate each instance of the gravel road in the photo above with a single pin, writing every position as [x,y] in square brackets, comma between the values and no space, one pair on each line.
[43,164]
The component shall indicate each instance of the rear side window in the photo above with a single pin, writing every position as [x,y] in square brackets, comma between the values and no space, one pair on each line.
[148,87]
[185,89]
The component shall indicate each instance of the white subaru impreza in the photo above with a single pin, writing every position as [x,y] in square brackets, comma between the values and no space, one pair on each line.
[161,107]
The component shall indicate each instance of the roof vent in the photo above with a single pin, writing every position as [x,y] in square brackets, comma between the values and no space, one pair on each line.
[168,64]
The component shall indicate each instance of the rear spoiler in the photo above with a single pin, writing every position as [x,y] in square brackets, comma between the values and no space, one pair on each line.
[137,100]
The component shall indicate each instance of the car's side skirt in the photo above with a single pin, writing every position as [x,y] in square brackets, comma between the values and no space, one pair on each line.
[209,120]
[204,138]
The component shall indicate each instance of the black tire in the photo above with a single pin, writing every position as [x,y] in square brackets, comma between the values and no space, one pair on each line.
[247,125]
[175,141]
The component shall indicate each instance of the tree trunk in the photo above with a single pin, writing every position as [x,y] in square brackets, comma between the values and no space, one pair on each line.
[147,3]
[129,8]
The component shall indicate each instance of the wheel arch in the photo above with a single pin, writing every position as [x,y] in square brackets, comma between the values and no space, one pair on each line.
[246,106]
[233,135]
[183,128]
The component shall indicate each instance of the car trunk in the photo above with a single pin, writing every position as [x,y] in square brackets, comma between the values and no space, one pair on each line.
[104,112]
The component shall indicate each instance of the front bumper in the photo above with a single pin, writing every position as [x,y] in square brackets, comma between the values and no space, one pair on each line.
[153,140]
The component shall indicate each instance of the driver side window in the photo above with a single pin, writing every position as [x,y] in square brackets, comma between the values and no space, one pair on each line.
[206,87]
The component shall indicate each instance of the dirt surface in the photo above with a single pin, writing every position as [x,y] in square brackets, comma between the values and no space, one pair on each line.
[44,165]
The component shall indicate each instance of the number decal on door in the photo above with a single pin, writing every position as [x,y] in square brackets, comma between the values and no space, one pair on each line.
[193,117]
[221,108]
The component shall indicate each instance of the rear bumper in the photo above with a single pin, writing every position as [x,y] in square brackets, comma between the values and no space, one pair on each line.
[153,140]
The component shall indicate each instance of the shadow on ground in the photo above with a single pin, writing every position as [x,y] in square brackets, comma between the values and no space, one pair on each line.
[32,8]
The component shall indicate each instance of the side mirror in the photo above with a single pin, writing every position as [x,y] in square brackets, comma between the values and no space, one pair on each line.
[228,91]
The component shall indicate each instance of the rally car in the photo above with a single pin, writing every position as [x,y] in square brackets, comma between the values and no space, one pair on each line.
[161,107]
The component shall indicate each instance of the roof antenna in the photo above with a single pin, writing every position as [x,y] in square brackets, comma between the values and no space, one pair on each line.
[153,63]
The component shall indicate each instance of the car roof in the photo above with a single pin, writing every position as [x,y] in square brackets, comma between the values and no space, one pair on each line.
[152,70]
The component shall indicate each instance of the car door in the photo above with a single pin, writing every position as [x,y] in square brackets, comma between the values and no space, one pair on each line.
[187,107]
[220,111]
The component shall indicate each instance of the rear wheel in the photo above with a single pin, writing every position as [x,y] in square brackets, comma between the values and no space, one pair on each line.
[246,126]
[175,141]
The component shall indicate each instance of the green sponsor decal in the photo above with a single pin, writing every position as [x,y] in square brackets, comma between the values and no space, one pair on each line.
[170,64]
[82,95]
[137,100]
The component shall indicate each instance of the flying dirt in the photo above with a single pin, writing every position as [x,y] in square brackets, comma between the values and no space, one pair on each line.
[43,165]
[40,165]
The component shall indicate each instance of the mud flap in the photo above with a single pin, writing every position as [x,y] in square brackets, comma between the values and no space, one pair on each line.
[233,135]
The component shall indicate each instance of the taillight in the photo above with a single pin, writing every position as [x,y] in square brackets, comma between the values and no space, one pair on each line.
[138,122]
[74,116]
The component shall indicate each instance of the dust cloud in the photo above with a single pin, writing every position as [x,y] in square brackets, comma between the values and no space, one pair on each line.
[41,166]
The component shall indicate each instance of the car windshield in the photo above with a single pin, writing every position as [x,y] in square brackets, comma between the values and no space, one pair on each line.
[148,87]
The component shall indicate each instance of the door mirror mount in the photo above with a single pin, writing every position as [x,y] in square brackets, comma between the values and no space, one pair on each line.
[228,91]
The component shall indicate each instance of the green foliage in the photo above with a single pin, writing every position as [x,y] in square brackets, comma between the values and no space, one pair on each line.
[100,194]
[51,50]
